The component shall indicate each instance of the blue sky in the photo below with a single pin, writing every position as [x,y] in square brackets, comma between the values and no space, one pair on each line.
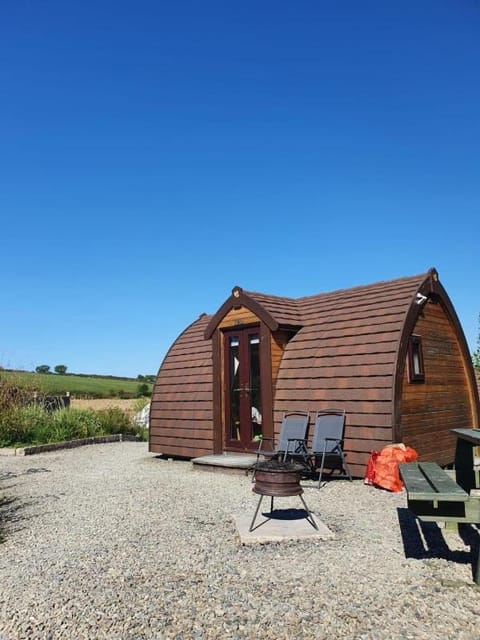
[155,154]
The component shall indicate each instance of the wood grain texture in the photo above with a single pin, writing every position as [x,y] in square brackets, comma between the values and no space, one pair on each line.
[332,350]
[443,401]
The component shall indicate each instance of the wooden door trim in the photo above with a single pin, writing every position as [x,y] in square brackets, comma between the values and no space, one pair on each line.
[266,382]
[217,393]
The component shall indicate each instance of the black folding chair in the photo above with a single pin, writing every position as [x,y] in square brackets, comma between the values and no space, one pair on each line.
[327,444]
[292,438]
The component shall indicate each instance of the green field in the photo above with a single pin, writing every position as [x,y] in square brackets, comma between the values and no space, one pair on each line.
[79,386]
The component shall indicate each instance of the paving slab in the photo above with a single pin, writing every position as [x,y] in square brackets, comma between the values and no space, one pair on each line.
[280,525]
[234,460]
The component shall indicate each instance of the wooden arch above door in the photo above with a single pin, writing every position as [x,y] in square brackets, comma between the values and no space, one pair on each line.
[243,311]
[237,300]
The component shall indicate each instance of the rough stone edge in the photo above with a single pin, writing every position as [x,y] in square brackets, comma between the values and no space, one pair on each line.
[67,444]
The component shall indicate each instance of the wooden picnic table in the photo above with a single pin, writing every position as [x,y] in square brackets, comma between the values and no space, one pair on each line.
[464,462]
[438,495]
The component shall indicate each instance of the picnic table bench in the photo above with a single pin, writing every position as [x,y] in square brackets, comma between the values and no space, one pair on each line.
[451,496]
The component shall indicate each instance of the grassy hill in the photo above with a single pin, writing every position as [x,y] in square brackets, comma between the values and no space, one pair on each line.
[80,386]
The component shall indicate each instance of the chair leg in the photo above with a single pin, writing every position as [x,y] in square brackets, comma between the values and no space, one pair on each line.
[321,469]
[477,570]
[255,467]
[345,467]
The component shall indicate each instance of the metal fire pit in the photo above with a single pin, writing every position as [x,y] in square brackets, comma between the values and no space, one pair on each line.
[274,478]
[279,479]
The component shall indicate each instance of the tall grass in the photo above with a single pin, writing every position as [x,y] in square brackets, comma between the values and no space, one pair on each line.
[24,424]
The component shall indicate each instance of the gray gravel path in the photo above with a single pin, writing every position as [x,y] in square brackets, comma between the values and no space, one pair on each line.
[108,541]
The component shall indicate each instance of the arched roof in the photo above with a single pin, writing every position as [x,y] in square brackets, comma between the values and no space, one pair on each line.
[347,350]
[346,353]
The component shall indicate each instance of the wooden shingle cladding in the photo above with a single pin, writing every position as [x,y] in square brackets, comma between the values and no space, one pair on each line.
[285,311]
[181,413]
[344,357]
[346,350]
[443,400]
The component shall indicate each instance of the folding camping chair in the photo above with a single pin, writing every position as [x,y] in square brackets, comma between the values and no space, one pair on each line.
[327,444]
[292,438]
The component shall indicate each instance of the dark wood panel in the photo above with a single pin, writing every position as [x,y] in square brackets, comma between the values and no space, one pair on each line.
[166,425]
[430,409]
[198,375]
[314,359]
[182,441]
[183,452]
[182,395]
[163,420]
[334,372]
[178,412]
[359,382]
[187,388]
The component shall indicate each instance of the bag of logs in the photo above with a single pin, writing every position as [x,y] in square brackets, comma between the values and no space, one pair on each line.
[382,468]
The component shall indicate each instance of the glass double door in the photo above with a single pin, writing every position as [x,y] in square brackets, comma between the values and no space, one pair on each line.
[242,391]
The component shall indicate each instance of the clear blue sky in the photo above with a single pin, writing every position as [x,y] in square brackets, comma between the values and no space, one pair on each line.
[155,154]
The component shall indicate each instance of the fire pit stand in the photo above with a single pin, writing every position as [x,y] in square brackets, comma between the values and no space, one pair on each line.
[279,479]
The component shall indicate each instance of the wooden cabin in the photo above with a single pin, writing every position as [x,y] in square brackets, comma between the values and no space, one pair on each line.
[392,354]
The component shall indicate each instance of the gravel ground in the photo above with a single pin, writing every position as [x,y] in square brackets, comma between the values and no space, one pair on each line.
[108,541]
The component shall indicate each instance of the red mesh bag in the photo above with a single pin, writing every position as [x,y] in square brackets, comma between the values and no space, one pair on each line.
[370,471]
[386,473]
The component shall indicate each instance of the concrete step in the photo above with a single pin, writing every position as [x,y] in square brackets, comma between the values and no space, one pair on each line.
[225,461]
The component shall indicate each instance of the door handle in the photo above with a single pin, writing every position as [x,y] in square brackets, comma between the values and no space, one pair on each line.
[243,388]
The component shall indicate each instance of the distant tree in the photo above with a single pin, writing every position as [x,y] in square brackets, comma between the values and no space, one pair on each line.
[61,369]
[476,354]
[43,368]
[140,377]
[143,390]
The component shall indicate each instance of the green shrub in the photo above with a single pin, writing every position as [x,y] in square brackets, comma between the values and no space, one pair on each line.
[23,425]
[70,424]
[12,392]
[142,433]
[114,420]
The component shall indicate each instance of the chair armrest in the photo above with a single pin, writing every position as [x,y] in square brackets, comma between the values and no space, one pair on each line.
[302,444]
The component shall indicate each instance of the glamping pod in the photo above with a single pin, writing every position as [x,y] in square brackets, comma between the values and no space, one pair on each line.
[392,354]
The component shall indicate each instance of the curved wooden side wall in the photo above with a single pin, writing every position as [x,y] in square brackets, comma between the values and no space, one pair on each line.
[446,399]
[181,414]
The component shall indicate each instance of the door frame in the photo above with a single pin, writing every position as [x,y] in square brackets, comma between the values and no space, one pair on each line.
[220,444]
[243,442]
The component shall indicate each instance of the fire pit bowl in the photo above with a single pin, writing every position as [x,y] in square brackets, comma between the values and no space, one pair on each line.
[275,478]
[279,479]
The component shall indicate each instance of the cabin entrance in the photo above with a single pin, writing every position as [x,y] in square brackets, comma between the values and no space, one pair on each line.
[242,389]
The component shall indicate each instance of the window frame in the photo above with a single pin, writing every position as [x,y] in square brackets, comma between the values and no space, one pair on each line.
[416,369]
